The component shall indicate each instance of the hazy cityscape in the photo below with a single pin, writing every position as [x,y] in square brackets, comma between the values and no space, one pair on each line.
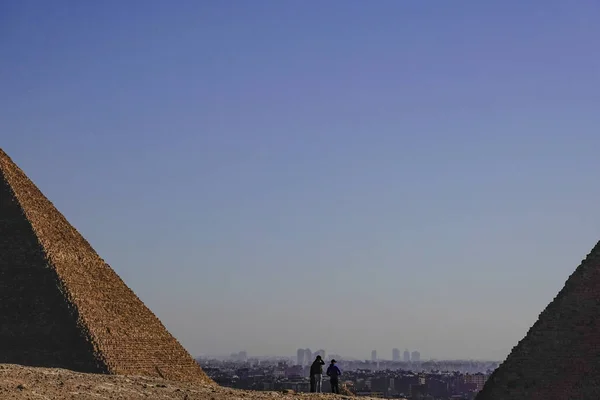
[398,374]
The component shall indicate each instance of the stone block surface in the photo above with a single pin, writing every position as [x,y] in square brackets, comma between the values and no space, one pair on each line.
[559,358]
[62,306]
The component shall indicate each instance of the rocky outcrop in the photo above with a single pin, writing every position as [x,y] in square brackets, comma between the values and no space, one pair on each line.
[21,383]
[62,306]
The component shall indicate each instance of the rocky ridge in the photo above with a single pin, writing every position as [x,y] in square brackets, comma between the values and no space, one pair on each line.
[33,383]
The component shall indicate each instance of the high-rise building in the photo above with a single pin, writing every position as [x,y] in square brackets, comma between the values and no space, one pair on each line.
[395,355]
[477,379]
[240,356]
[308,356]
[374,355]
[416,356]
[300,357]
[406,356]
[320,353]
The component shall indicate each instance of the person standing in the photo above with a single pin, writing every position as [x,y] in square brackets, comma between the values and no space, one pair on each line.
[316,375]
[333,372]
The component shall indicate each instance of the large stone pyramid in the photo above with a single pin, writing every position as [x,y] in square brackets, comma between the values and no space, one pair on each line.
[62,306]
[559,358]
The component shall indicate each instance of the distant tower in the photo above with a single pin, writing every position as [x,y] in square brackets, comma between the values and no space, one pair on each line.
[308,356]
[300,355]
[406,356]
[374,355]
[395,355]
[416,356]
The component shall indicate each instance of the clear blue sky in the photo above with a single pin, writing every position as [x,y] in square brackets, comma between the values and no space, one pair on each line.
[347,175]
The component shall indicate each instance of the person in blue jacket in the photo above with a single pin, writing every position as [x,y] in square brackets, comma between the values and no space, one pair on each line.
[333,372]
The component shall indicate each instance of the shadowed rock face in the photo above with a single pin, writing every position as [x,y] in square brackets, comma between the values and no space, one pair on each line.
[37,326]
[559,358]
[61,305]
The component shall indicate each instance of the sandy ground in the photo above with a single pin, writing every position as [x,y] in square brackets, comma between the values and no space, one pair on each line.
[17,382]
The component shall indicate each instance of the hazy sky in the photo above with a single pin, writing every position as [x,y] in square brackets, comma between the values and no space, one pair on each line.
[347,175]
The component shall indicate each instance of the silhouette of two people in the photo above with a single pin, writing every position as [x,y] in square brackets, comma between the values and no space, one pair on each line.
[316,376]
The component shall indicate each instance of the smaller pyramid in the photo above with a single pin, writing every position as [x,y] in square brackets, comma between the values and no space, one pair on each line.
[559,358]
[62,306]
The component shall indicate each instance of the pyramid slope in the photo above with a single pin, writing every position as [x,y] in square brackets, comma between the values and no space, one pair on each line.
[67,305]
[559,358]
[36,324]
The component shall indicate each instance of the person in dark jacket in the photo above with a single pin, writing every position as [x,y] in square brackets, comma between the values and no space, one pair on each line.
[333,372]
[316,375]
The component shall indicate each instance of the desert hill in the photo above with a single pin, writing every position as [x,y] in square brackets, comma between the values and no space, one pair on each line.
[20,383]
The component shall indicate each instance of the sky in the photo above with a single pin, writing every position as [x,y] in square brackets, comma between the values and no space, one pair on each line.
[345,175]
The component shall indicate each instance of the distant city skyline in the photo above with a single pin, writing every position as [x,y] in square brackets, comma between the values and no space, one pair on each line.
[307,356]
[442,380]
